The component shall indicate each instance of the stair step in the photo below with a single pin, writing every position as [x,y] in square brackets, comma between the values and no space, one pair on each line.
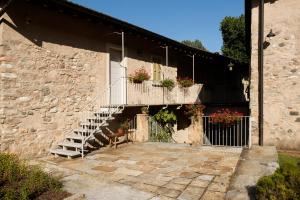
[96,119]
[65,152]
[88,124]
[81,130]
[108,117]
[92,125]
[70,144]
[74,136]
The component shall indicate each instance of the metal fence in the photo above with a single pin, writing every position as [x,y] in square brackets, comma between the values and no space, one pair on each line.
[236,134]
[158,133]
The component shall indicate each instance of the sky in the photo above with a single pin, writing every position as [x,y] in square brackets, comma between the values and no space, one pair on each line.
[176,19]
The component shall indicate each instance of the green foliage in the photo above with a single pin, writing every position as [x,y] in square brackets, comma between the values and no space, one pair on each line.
[195,44]
[283,184]
[234,38]
[165,117]
[286,159]
[168,83]
[159,133]
[21,182]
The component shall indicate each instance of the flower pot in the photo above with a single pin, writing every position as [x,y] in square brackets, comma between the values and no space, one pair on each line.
[120,131]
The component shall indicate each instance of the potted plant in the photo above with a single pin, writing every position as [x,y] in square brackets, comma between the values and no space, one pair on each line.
[139,76]
[185,82]
[145,110]
[225,116]
[194,110]
[124,126]
[168,83]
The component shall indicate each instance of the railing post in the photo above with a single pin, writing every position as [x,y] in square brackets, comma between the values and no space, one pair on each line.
[82,151]
[250,133]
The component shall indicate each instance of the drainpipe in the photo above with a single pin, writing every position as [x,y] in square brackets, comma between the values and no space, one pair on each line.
[261,73]
[193,68]
[125,67]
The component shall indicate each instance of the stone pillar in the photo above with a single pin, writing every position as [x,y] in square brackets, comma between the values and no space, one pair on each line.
[195,131]
[142,133]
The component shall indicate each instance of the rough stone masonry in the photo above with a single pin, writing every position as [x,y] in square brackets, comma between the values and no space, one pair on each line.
[43,89]
[281,74]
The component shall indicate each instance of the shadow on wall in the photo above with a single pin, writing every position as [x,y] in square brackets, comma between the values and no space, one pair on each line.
[41,25]
[227,87]
[256,2]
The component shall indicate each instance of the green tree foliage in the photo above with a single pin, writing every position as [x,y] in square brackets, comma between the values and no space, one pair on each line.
[165,117]
[234,38]
[196,44]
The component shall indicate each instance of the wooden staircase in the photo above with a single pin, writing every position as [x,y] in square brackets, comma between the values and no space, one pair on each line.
[75,144]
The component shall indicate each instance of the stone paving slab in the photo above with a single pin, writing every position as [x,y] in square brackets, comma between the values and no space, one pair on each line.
[155,171]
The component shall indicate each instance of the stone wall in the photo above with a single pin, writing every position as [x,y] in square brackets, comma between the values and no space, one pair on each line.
[281,74]
[43,91]
[50,73]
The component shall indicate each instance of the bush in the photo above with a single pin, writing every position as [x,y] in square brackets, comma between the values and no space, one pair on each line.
[284,184]
[19,181]
[168,83]
[165,117]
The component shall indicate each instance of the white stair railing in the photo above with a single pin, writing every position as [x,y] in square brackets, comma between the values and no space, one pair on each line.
[95,114]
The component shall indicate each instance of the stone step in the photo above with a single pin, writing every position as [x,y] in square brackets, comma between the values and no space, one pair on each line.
[67,153]
[70,144]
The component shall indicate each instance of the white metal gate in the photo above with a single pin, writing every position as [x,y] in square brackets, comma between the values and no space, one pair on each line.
[235,134]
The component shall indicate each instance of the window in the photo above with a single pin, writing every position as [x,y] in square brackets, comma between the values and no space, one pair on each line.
[156,70]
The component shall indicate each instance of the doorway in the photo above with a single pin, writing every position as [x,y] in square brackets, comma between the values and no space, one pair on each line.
[116,77]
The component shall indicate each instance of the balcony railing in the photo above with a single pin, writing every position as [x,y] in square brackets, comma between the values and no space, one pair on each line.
[151,93]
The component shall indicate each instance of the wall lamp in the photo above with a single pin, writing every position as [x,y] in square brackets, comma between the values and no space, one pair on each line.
[230,66]
[271,34]
[268,39]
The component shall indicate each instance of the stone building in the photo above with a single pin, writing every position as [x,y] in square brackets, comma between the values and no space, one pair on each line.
[60,60]
[281,72]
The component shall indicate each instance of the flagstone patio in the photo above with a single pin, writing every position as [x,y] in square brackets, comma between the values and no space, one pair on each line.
[149,171]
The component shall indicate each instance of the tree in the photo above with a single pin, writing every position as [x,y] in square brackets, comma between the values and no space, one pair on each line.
[234,38]
[195,44]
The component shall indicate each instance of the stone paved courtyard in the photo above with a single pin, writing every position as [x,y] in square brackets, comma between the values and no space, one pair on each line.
[149,171]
